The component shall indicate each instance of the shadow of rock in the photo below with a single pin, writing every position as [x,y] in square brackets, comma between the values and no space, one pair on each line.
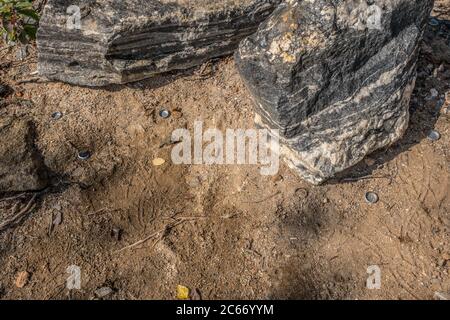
[307,274]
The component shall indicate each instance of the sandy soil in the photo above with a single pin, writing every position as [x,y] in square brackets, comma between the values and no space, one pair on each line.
[240,234]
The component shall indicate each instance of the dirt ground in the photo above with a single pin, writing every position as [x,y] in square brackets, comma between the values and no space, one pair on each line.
[227,231]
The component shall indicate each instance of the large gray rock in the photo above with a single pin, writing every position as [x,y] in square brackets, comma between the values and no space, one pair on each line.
[21,165]
[129,40]
[334,77]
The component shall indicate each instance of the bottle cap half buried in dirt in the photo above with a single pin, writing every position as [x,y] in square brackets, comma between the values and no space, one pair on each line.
[434,135]
[372,197]
[57,115]
[84,155]
[164,113]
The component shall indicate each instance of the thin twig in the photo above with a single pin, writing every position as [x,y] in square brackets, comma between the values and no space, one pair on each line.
[370,177]
[160,233]
[13,197]
[153,235]
[98,212]
[28,208]
[265,199]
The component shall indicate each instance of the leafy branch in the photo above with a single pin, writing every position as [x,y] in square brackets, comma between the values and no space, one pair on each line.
[18,21]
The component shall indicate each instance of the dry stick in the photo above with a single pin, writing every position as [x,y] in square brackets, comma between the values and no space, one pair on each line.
[98,211]
[142,241]
[13,197]
[265,199]
[161,232]
[370,177]
[30,205]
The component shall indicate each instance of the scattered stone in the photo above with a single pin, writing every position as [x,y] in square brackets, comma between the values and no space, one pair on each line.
[57,219]
[21,165]
[322,73]
[22,279]
[277,178]
[158,162]
[103,292]
[124,41]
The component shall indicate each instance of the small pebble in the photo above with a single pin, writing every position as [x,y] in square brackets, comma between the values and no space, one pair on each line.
[158,162]
[277,178]
[57,219]
[103,292]
[22,279]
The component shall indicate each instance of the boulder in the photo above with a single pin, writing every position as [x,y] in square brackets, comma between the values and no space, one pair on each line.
[334,78]
[21,165]
[100,42]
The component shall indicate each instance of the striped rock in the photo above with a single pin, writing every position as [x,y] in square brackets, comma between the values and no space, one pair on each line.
[334,78]
[99,42]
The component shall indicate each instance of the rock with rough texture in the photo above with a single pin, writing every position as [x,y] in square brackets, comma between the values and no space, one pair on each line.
[21,165]
[99,42]
[334,77]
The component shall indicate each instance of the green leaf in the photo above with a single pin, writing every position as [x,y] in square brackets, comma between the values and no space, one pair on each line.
[29,13]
